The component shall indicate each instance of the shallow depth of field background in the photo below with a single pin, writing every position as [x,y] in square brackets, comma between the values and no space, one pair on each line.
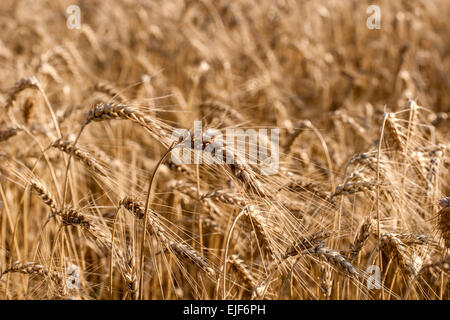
[364,150]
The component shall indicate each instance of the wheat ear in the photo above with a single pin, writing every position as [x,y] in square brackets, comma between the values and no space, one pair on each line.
[181,250]
[20,86]
[82,156]
[34,268]
[241,269]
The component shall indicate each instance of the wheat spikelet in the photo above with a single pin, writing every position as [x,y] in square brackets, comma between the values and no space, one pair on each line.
[181,168]
[354,187]
[394,132]
[241,269]
[29,268]
[241,170]
[111,111]
[313,188]
[256,221]
[137,208]
[410,239]
[34,268]
[364,231]
[102,238]
[305,243]
[134,206]
[82,156]
[369,159]
[130,275]
[72,216]
[334,258]
[395,249]
[326,284]
[69,215]
[245,174]
[45,195]
[187,252]
[181,250]
[224,197]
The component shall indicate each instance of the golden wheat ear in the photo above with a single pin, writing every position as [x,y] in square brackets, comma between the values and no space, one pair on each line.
[21,85]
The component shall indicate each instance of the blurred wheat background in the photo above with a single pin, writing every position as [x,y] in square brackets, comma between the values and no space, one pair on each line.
[91,206]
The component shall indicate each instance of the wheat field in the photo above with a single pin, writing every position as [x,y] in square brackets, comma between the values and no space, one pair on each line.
[93,206]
